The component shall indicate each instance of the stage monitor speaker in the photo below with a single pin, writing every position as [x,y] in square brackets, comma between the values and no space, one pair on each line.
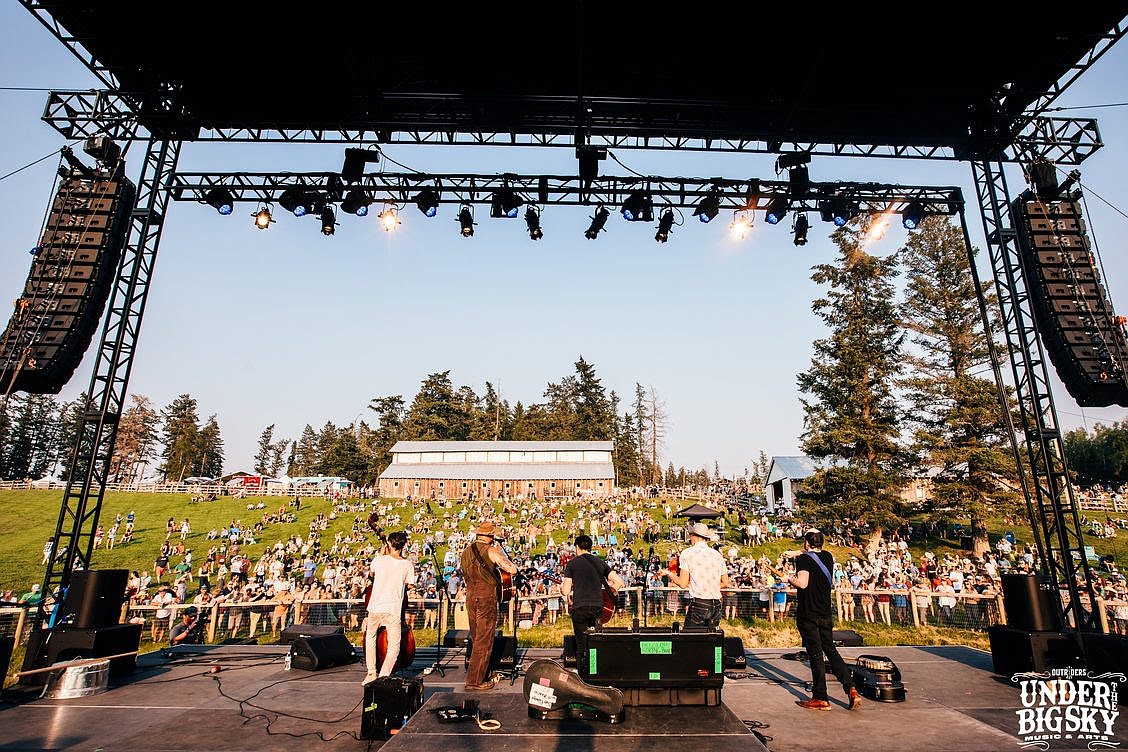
[319,653]
[71,275]
[94,598]
[49,646]
[847,638]
[503,656]
[295,631]
[456,638]
[1015,651]
[1031,604]
[1084,338]
[388,704]
[734,653]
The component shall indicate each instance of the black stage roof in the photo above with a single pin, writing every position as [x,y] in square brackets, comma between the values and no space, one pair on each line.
[905,74]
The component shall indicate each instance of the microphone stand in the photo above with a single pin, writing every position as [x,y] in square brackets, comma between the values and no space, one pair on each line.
[439,590]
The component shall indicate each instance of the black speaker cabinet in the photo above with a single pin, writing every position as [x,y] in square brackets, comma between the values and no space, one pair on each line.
[1014,651]
[1031,603]
[503,656]
[569,654]
[734,653]
[293,632]
[388,704]
[94,598]
[317,653]
[847,638]
[1107,652]
[6,644]
[654,659]
[50,646]
[456,638]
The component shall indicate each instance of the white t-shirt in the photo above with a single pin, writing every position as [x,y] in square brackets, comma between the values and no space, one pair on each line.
[389,576]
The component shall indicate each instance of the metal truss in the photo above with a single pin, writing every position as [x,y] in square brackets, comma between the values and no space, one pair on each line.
[563,190]
[1054,515]
[81,114]
[1094,53]
[90,460]
[42,12]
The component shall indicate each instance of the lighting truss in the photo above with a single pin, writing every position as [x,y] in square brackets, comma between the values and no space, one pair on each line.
[563,190]
[82,114]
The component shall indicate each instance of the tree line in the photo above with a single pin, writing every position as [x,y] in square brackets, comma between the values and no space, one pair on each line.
[1100,456]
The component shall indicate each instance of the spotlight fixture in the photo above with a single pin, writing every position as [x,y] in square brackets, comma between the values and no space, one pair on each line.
[799,229]
[466,220]
[912,214]
[427,201]
[741,225]
[389,218]
[788,160]
[842,210]
[298,200]
[532,219]
[220,199]
[777,210]
[665,224]
[708,207]
[799,181]
[263,220]
[639,207]
[505,203]
[328,221]
[356,202]
[598,220]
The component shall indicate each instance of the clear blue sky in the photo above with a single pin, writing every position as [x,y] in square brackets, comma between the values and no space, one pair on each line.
[289,327]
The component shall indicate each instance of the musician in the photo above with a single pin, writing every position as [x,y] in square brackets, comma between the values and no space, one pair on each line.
[391,573]
[189,629]
[481,561]
[815,619]
[703,571]
[583,586]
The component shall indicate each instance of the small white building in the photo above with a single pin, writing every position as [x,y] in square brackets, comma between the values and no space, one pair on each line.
[784,477]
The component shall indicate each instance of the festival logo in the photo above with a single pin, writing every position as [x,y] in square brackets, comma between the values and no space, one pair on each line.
[1067,708]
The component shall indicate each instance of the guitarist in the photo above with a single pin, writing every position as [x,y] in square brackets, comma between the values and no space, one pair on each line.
[390,574]
[582,587]
[481,561]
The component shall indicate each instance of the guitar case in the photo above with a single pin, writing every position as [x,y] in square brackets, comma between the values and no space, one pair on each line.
[554,693]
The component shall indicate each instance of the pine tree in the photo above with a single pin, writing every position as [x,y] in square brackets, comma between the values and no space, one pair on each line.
[181,438]
[671,480]
[626,453]
[265,449]
[389,413]
[71,417]
[595,414]
[306,457]
[960,426]
[436,413]
[211,450]
[851,418]
[136,439]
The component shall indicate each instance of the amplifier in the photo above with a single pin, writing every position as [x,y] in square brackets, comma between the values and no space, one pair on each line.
[317,653]
[293,632]
[388,704]
[654,660]
[503,656]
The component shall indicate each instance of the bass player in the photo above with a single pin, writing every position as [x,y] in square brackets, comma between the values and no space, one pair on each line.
[583,584]
[391,573]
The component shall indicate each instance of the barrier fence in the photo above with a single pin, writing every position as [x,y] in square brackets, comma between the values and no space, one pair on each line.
[265,620]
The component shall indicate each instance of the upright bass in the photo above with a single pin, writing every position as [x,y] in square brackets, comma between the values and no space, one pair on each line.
[407,639]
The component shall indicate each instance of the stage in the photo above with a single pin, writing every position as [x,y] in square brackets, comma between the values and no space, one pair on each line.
[173,702]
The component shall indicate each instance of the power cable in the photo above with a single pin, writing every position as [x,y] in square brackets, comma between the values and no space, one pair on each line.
[31,164]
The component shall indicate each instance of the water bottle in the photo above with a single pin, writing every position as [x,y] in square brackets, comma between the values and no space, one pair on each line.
[287,664]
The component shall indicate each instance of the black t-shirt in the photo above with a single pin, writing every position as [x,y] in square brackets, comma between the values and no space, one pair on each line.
[587,573]
[814,600]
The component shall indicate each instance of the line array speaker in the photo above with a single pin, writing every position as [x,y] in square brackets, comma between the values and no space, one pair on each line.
[1084,338]
[72,272]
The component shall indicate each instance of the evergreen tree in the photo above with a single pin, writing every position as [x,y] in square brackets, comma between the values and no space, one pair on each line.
[32,438]
[181,438]
[277,452]
[671,476]
[306,458]
[211,450]
[960,426]
[436,413]
[626,453]
[265,450]
[641,421]
[137,437]
[71,417]
[851,418]
[389,413]
[595,414]
[326,438]
[292,459]
[344,459]
[1099,457]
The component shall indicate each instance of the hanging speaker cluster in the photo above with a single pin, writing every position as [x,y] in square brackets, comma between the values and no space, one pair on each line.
[72,271]
[1084,338]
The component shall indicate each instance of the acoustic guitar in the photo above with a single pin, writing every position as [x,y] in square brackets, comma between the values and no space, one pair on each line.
[407,637]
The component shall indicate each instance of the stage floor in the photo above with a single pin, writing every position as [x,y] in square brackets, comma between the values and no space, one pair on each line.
[954,703]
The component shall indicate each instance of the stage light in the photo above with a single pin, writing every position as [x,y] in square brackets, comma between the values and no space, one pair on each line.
[505,203]
[263,220]
[665,224]
[220,199]
[708,207]
[741,225]
[598,220]
[298,200]
[466,220]
[777,210]
[799,229]
[798,182]
[912,214]
[389,218]
[427,201]
[792,159]
[328,221]
[356,202]
[638,207]
[842,210]
[532,219]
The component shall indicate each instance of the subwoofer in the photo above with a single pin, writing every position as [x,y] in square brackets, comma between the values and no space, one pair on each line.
[503,656]
[1015,651]
[94,598]
[1030,603]
[49,646]
[318,653]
